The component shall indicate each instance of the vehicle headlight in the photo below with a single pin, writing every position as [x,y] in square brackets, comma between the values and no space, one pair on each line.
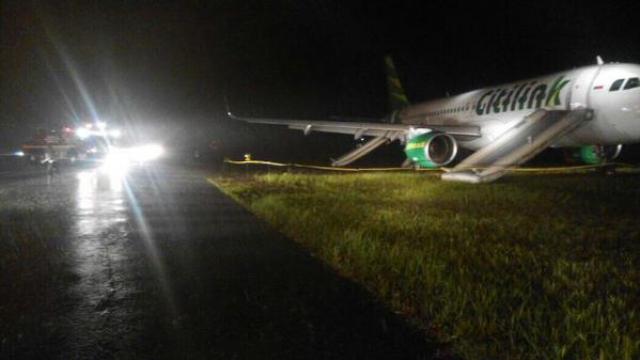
[146,152]
[116,161]
[83,133]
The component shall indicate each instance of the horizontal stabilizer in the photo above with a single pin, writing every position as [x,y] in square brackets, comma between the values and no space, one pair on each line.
[526,139]
[361,151]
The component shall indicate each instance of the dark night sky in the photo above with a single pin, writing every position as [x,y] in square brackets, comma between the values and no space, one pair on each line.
[162,68]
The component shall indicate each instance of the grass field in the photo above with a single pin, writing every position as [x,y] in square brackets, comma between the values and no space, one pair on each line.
[530,267]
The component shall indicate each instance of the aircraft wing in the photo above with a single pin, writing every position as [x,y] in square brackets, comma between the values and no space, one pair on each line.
[527,138]
[381,133]
[362,129]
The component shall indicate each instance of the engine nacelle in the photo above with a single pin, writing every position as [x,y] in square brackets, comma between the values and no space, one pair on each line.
[431,150]
[595,154]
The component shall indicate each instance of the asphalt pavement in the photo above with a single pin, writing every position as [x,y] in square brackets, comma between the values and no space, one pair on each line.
[164,265]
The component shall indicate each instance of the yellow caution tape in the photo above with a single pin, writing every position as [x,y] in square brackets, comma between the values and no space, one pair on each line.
[317,167]
[559,169]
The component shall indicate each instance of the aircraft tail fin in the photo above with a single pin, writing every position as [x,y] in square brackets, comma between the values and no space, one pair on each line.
[397,97]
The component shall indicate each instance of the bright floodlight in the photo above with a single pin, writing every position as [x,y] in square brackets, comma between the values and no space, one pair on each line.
[18,153]
[83,132]
[115,133]
[101,125]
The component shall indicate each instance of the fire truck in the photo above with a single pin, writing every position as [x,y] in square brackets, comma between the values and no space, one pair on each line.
[88,142]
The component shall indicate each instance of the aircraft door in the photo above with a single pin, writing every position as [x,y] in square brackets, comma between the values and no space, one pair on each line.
[581,88]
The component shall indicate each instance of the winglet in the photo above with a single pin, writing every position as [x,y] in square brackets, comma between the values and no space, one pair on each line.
[599,60]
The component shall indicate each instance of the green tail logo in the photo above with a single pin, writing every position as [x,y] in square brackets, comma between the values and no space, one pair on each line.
[397,97]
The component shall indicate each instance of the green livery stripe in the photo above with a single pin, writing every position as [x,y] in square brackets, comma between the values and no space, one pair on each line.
[415,145]
[553,99]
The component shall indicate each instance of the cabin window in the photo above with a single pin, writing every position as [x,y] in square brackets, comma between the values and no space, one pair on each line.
[616,85]
[632,83]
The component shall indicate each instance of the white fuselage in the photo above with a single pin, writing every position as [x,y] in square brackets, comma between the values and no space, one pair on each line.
[495,109]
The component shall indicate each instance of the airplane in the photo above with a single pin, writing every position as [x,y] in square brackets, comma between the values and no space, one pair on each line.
[593,111]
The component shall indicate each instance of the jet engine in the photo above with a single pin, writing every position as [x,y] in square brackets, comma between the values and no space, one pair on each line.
[431,150]
[595,154]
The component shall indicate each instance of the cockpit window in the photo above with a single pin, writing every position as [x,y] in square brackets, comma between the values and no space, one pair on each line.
[632,83]
[616,85]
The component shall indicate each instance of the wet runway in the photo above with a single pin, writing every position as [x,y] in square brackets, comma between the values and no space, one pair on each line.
[161,264]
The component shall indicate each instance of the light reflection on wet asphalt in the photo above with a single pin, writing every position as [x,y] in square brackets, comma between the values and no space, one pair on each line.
[100,254]
[166,266]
